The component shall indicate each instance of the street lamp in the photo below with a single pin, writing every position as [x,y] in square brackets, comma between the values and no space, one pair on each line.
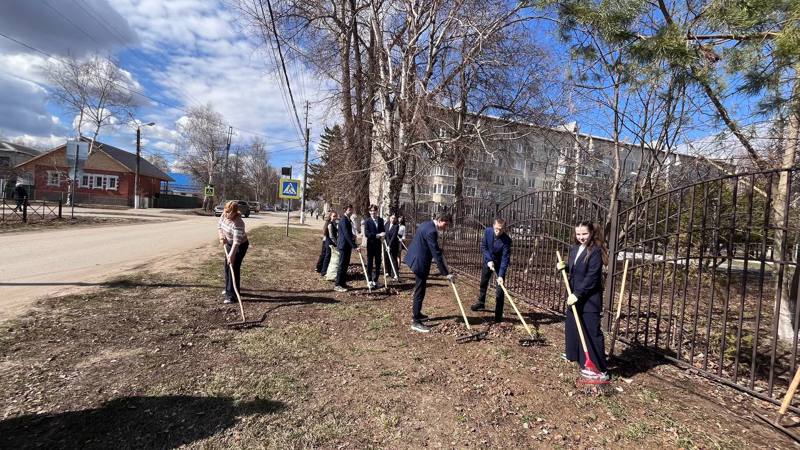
[136,196]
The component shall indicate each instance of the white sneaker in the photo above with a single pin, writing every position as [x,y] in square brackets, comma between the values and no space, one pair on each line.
[420,327]
[372,284]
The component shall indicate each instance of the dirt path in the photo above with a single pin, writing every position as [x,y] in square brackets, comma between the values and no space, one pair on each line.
[52,263]
[148,361]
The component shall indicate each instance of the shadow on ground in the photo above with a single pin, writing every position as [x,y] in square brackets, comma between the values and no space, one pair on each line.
[132,422]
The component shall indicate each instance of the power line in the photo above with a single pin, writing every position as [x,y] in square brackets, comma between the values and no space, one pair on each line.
[124,86]
[283,62]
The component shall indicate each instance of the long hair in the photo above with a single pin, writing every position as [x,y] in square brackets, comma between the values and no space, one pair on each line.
[596,240]
[327,222]
[232,210]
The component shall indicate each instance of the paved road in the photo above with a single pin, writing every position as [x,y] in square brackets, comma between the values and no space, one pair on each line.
[49,263]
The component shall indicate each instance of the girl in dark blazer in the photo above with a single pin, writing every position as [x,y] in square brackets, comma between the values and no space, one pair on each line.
[585,267]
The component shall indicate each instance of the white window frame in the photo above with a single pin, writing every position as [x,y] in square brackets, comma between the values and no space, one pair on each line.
[50,174]
[515,181]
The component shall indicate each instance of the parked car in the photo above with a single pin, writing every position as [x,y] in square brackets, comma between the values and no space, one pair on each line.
[268,207]
[254,206]
[244,208]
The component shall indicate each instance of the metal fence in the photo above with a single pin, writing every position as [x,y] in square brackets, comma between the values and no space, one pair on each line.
[712,282]
[713,279]
[29,211]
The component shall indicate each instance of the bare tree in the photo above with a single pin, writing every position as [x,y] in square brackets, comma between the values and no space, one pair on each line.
[257,169]
[159,161]
[200,149]
[95,90]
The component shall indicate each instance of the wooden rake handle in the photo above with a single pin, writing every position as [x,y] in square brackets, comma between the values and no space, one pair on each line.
[574,309]
[460,305]
[514,305]
[235,289]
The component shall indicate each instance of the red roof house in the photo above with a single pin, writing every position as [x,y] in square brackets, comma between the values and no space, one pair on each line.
[107,176]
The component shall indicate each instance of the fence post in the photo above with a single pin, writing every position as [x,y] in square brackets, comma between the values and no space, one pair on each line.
[25,210]
[612,265]
[59,208]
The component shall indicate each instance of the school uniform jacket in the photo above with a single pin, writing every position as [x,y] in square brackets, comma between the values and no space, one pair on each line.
[424,247]
[371,230]
[392,237]
[497,249]
[586,278]
[345,238]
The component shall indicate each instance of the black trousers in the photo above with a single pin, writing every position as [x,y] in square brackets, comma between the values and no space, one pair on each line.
[594,339]
[394,253]
[420,284]
[237,270]
[486,277]
[374,261]
[324,257]
[344,263]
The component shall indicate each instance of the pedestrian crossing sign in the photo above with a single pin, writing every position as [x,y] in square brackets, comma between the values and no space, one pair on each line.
[289,188]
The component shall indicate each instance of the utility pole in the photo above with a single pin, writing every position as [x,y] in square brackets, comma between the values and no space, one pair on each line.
[138,159]
[136,199]
[305,175]
[225,175]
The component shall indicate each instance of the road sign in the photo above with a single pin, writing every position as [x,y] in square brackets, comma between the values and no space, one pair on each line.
[289,189]
[209,191]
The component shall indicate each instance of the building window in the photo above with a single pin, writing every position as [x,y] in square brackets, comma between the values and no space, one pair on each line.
[498,179]
[94,181]
[469,191]
[532,183]
[471,173]
[5,161]
[514,181]
[518,164]
[53,178]
[445,171]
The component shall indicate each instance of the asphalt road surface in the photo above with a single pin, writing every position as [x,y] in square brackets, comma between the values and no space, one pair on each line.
[49,263]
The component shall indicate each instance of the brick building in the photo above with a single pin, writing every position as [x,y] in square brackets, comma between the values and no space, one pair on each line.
[107,176]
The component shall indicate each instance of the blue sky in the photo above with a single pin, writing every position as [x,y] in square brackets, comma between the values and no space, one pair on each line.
[178,53]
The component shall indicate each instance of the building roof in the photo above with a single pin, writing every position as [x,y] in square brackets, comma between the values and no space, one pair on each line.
[129,160]
[10,147]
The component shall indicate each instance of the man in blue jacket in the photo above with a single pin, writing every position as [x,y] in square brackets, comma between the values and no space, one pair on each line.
[423,249]
[345,243]
[496,250]
[374,231]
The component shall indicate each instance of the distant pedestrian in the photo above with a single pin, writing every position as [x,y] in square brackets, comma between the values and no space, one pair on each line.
[423,249]
[233,237]
[21,195]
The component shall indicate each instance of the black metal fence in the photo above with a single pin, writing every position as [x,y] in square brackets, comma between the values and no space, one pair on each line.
[713,279]
[712,282]
[29,211]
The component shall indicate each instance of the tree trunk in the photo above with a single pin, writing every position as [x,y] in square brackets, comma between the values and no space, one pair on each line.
[784,285]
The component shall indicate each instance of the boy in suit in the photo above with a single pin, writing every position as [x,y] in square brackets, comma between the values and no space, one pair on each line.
[496,250]
[345,244]
[423,249]
[374,231]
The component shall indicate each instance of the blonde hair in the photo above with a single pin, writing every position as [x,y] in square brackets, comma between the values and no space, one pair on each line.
[232,210]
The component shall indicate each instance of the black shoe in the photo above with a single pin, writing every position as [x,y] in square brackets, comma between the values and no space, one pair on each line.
[419,327]
[422,317]
[477,307]
[229,300]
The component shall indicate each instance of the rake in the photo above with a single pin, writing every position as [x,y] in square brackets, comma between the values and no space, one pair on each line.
[787,400]
[589,364]
[364,268]
[469,337]
[619,311]
[391,260]
[534,338]
[244,322]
